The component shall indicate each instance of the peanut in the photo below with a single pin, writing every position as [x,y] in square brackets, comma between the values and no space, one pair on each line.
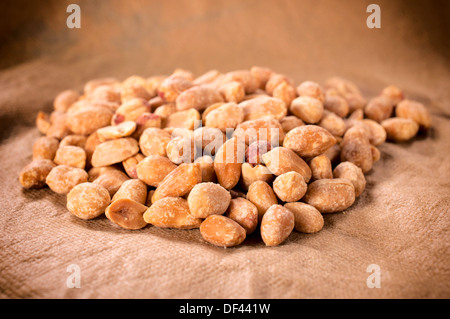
[71,156]
[309,140]
[130,164]
[132,189]
[228,162]
[393,93]
[252,173]
[153,169]
[333,123]
[262,196]
[226,116]
[207,167]
[74,140]
[114,151]
[353,173]
[415,111]
[207,199]
[245,77]
[321,167]
[276,225]
[263,106]
[281,160]
[209,139]
[62,178]
[307,219]
[290,186]
[88,120]
[222,231]
[330,195]
[65,99]
[400,129]
[308,109]
[88,200]
[244,213]
[356,149]
[198,98]
[111,180]
[288,123]
[45,148]
[126,213]
[379,108]
[285,92]
[34,174]
[153,141]
[266,129]
[172,87]
[311,89]
[187,119]
[232,91]
[123,129]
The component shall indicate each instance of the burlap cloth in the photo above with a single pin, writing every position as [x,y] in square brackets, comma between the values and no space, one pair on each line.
[401,221]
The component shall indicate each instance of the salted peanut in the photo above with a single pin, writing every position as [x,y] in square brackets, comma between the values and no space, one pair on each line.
[132,189]
[266,129]
[276,225]
[111,180]
[198,98]
[171,212]
[415,111]
[91,144]
[95,172]
[377,134]
[88,120]
[207,199]
[145,121]
[130,110]
[309,140]
[156,102]
[179,132]
[178,182]
[153,83]
[45,148]
[334,153]
[321,167]
[330,195]
[65,99]
[148,203]
[376,154]
[71,156]
[153,169]
[207,167]
[222,231]
[209,139]
[357,115]
[311,89]
[252,173]
[290,186]
[187,119]
[164,111]
[42,122]
[262,107]
[206,78]
[227,116]
[348,90]
[183,73]
[114,151]
[88,200]
[34,174]
[307,219]
[105,93]
[228,162]
[153,141]
[353,173]
[400,129]
[123,129]
[262,196]
[126,213]
[181,150]
[355,148]
[243,212]
[132,91]
[232,91]
[308,109]
[333,123]
[74,140]
[336,104]
[59,126]
[281,160]
[379,108]
[285,92]
[290,122]
[62,178]
[245,77]
[211,108]
[394,93]
[93,84]
[255,151]
[172,87]
[130,165]
[261,74]
[275,80]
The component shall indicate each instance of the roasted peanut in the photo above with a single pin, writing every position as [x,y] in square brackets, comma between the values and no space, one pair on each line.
[232,91]
[45,148]
[172,87]
[198,98]
[309,140]
[377,133]
[207,199]
[245,77]
[88,200]
[105,93]
[244,213]
[187,119]
[88,120]
[91,144]
[285,92]
[178,182]
[152,84]
[308,109]
[276,225]
[111,180]
[332,123]
[153,141]
[134,90]
[59,127]
[275,80]
[353,173]
[42,122]
[307,219]
[146,120]
[262,107]
[394,93]
[209,139]
[281,160]
[207,167]
[123,129]
[65,99]
[114,151]
[266,129]
[74,140]
[153,169]
[171,212]
[330,195]
[355,148]
[262,196]
[126,213]
[226,116]
[34,174]
[379,108]
[400,129]
[255,150]
[376,154]
[311,89]
[62,178]
[71,156]
[252,173]
[181,150]
[415,111]
[207,77]
[228,162]
[164,111]
[288,123]
[290,186]
[222,231]
[132,189]
[336,104]
[261,74]
[130,164]
[93,84]
[130,111]
[321,167]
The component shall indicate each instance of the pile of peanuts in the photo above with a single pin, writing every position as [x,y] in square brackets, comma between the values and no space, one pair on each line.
[228,153]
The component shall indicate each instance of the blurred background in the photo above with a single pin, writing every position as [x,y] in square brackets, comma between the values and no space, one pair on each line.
[306,39]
